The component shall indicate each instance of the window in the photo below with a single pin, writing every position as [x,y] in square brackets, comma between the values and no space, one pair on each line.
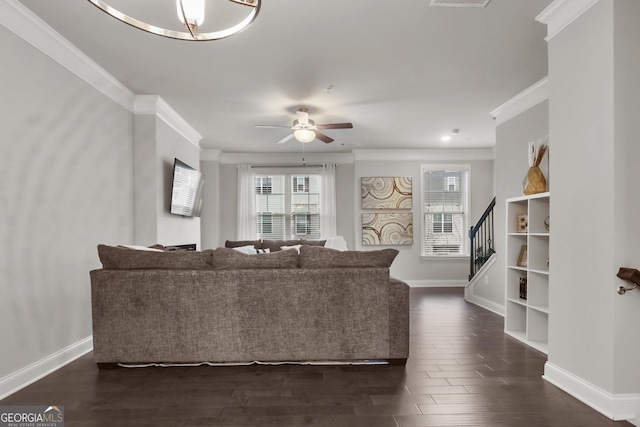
[288,206]
[300,184]
[263,185]
[445,209]
[442,223]
[265,224]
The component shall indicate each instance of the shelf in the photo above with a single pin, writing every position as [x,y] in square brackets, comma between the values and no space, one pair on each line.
[545,272]
[539,308]
[519,301]
[528,319]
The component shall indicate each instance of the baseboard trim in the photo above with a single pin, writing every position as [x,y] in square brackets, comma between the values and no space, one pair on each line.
[436,283]
[484,303]
[617,407]
[32,373]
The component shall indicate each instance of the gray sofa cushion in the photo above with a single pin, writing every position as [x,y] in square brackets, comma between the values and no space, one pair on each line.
[226,258]
[120,258]
[319,257]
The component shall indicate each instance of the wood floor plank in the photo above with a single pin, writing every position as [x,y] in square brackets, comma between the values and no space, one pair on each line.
[462,371]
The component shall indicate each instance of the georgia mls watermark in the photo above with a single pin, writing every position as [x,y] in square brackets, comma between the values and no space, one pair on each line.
[31,416]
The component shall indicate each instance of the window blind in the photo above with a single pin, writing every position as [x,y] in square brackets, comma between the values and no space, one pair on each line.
[444,209]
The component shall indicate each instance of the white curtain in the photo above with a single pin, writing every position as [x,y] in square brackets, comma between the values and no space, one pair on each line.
[246,203]
[328,226]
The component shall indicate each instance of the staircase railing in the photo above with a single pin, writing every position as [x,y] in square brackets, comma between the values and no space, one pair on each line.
[482,240]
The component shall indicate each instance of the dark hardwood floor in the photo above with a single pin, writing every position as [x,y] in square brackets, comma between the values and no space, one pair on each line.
[463,371]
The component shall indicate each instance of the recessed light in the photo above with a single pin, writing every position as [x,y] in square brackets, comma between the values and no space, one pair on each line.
[446,138]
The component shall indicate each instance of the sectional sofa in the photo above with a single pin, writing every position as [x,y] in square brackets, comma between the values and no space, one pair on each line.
[224,306]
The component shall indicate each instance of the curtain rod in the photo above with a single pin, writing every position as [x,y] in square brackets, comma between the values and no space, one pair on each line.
[285,166]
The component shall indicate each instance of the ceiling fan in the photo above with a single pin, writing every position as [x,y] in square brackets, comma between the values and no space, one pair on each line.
[305,129]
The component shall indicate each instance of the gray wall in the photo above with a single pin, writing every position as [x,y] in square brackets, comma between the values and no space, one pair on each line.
[408,264]
[511,166]
[173,229]
[66,160]
[156,145]
[594,110]
[211,209]
[228,202]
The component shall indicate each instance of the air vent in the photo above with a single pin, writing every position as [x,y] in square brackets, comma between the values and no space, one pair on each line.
[459,3]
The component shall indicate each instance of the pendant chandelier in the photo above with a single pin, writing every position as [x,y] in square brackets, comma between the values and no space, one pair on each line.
[191,14]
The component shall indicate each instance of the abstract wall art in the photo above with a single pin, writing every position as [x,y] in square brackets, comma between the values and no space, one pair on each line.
[387,229]
[386,193]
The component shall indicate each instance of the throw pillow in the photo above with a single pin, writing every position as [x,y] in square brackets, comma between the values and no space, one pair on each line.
[286,248]
[249,249]
[240,243]
[117,258]
[319,257]
[275,245]
[229,259]
[141,248]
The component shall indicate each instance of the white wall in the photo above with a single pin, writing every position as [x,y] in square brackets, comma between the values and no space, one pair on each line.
[66,161]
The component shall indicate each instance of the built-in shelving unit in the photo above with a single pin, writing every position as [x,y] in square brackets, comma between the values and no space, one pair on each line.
[527,259]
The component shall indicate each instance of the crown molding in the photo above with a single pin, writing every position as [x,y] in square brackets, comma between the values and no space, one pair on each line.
[427,154]
[29,27]
[561,13]
[153,104]
[285,159]
[520,103]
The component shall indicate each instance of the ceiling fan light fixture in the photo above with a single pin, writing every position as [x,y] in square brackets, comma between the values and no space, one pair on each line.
[194,12]
[304,135]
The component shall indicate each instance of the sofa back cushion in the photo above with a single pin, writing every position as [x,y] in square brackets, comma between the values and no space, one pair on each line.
[319,257]
[122,258]
[226,259]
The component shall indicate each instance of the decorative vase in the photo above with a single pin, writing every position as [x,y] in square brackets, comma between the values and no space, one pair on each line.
[535,182]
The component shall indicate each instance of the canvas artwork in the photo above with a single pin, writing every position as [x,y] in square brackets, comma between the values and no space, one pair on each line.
[386,193]
[387,229]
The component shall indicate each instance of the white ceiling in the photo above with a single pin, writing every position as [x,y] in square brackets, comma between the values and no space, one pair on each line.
[402,72]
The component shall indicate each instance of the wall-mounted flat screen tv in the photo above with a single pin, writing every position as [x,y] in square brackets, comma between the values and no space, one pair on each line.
[186,191]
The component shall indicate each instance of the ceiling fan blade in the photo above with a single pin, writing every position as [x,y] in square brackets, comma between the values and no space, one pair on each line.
[285,139]
[322,137]
[303,116]
[336,126]
[271,126]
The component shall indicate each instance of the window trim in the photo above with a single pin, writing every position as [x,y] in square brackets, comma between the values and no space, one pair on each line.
[458,167]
